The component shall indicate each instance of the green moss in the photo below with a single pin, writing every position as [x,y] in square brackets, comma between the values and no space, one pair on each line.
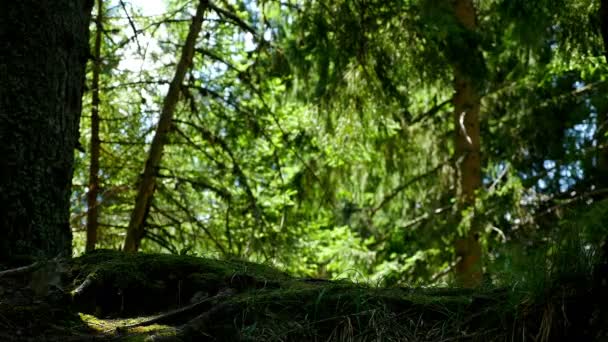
[266,304]
[123,283]
[113,326]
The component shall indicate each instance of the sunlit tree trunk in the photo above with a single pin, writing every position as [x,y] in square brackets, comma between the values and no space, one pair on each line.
[43,51]
[147,183]
[92,204]
[467,150]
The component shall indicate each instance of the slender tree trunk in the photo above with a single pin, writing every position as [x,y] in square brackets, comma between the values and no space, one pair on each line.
[604,25]
[147,184]
[601,180]
[602,133]
[467,151]
[43,51]
[92,204]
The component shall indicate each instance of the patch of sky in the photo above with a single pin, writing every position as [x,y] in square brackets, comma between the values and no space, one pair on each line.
[148,7]
[583,136]
[496,172]
[549,164]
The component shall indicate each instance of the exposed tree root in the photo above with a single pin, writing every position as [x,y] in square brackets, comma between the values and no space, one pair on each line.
[19,270]
[178,315]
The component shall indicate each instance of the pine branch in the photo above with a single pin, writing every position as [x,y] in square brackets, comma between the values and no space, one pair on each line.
[407,184]
[234,18]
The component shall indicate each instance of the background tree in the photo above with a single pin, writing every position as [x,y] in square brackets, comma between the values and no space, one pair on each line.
[147,184]
[95,144]
[466,61]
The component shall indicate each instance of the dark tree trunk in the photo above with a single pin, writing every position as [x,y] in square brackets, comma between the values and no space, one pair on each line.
[43,51]
[602,133]
[92,204]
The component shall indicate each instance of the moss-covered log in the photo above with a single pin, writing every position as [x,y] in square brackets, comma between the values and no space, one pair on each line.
[119,296]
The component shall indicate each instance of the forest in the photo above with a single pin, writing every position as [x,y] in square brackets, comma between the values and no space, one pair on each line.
[304,170]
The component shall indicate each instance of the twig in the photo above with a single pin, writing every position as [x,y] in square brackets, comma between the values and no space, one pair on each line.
[501,176]
[574,199]
[135,31]
[425,216]
[234,18]
[191,217]
[431,111]
[446,270]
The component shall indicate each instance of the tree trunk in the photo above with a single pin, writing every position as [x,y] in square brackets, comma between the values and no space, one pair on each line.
[602,133]
[467,150]
[92,204]
[600,276]
[43,51]
[603,12]
[147,184]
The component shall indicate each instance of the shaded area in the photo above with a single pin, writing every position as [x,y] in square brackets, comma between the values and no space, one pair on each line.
[113,296]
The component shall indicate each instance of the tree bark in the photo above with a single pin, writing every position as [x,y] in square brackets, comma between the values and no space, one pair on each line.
[600,276]
[602,133]
[92,203]
[147,184]
[467,150]
[43,51]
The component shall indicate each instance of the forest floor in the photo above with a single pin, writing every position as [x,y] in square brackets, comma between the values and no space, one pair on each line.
[112,296]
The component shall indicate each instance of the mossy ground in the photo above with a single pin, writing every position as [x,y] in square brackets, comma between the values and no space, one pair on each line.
[140,297]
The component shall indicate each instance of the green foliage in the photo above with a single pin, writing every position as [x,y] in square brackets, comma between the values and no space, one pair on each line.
[317,135]
[567,256]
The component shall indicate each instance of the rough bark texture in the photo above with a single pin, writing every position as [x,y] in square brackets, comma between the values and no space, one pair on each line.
[467,150]
[147,183]
[43,51]
[92,204]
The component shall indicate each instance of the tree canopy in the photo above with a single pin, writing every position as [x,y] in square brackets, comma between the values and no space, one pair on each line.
[304,170]
[385,141]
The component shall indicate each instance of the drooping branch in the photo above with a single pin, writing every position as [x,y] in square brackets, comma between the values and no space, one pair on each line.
[234,18]
[161,241]
[405,185]
[194,145]
[192,218]
[215,140]
[284,134]
[217,58]
[132,24]
[199,183]
[434,110]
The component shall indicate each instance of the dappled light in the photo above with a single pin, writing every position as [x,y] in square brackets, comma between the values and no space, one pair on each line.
[323,170]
